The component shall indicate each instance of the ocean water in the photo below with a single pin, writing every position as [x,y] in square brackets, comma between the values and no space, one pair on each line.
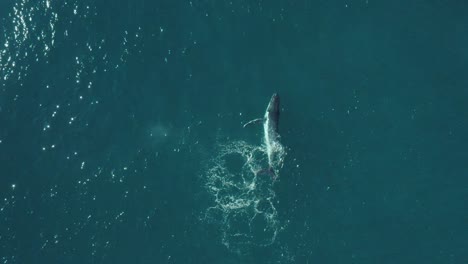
[121,137]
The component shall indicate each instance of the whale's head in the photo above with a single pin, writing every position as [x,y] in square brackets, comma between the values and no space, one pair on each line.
[273,106]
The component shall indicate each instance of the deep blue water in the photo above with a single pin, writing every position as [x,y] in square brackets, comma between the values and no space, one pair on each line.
[119,122]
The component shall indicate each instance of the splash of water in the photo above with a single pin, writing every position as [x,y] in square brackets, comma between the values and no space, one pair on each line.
[244,200]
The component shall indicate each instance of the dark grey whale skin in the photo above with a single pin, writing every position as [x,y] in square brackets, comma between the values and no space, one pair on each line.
[271,118]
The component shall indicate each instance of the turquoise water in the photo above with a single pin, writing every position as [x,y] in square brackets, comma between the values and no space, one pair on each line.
[121,137]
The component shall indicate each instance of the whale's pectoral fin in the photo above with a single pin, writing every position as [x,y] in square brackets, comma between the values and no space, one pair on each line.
[255,121]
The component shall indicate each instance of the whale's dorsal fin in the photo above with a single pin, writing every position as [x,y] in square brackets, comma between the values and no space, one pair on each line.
[255,121]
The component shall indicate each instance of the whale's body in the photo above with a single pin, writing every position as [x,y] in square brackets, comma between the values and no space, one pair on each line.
[270,128]
[270,134]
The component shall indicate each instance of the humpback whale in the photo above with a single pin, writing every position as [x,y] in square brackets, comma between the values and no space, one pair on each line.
[274,149]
